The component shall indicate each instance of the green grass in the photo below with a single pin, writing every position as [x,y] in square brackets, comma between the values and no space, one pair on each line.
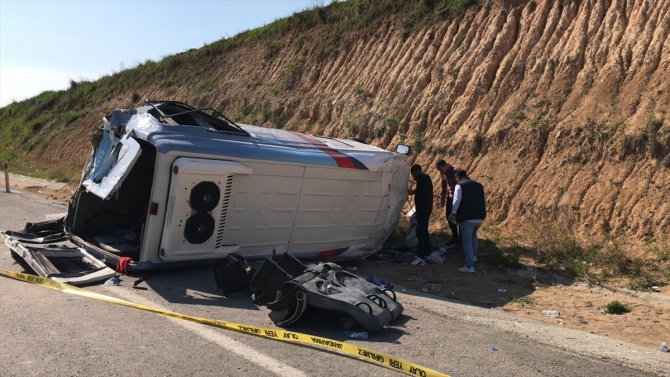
[429,9]
[477,142]
[524,301]
[380,131]
[352,130]
[502,252]
[419,143]
[393,124]
[292,75]
[645,283]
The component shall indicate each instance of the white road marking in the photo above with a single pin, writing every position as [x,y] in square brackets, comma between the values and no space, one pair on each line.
[230,344]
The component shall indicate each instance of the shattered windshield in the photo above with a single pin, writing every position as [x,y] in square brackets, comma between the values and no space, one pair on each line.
[178,113]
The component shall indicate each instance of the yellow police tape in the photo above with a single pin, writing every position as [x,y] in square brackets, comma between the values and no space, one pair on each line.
[366,354]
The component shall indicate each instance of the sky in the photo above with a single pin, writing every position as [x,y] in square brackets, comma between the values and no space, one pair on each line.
[44,44]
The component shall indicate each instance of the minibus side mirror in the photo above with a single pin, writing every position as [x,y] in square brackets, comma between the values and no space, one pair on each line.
[402,149]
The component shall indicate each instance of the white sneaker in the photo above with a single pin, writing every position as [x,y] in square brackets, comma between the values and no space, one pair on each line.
[474,259]
[465,269]
[418,261]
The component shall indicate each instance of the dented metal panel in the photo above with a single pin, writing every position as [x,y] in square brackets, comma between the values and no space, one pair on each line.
[56,258]
[125,153]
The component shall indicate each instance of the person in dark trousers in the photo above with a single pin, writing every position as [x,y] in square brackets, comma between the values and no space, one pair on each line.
[469,211]
[423,201]
[448,180]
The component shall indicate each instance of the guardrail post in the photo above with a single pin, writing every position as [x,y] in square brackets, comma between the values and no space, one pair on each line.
[5,165]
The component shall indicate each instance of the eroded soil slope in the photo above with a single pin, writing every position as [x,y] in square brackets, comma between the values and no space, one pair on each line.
[558,107]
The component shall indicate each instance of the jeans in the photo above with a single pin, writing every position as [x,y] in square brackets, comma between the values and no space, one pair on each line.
[468,232]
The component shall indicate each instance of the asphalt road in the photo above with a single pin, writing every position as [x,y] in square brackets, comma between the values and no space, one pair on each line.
[44,332]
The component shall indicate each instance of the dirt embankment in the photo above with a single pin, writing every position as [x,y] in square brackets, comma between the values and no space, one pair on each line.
[559,107]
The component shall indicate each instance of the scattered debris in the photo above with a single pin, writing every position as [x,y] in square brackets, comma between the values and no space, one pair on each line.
[418,261]
[45,248]
[232,274]
[502,290]
[356,334]
[379,282]
[663,347]
[435,257]
[430,286]
[492,348]
[551,313]
[138,282]
[114,280]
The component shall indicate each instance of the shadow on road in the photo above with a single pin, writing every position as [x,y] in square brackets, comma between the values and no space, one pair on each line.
[499,278]
[194,286]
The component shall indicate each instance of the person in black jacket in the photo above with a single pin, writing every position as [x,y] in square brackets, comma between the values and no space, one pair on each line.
[468,211]
[423,201]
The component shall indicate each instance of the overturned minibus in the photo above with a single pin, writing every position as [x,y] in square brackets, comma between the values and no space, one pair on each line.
[169,185]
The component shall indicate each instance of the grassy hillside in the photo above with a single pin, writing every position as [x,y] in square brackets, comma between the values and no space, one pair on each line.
[28,128]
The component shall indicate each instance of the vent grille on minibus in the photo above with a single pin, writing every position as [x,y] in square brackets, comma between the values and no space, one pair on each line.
[225,202]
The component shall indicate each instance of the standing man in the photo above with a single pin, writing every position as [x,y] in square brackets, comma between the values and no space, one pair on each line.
[448,178]
[423,201]
[469,211]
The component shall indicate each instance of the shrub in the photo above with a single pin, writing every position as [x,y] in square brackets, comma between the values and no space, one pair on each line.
[247,109]
[353,130]
[439,148]
[477,142]
[419,143]
[518,116]
[393,124]
[645,283]
[524,301]
[651,131]
[555,244]
[615,307]
[380,131]
[292,75]
[272,47]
